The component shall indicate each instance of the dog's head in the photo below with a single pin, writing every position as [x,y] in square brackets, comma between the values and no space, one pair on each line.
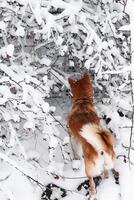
[81,87]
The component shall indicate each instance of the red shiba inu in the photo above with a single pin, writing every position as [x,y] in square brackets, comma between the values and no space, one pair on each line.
[84,128]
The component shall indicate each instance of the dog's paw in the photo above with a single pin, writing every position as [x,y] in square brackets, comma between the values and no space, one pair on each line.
[76,164]
[93,197]
[116,176]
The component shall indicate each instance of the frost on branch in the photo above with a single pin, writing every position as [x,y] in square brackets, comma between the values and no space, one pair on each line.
[41,43]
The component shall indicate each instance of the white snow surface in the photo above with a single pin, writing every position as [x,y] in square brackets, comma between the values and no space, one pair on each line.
[31,156]
[17,186]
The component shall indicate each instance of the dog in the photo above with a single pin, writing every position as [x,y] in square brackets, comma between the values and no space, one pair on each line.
[85,129]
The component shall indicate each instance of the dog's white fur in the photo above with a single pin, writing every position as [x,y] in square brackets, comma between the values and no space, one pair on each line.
[89,132]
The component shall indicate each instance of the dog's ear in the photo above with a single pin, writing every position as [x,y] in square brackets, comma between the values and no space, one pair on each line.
[86,74]
[71,81]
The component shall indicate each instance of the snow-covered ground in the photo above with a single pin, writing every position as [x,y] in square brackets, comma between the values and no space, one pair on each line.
[16,184]
[41,42]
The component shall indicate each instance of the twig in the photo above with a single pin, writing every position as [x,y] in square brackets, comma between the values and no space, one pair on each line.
[59,122]
[19,168]
[71,178]
[120,156]
[126,126]
[127,147]
[131,134]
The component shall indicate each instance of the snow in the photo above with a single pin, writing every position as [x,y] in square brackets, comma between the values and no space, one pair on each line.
[75,196]
[45,61]
[33,155]
[76,164]
[66,140]
[2,25]
[105,188]
[35,7]
[42,42]
[126,179]
[10,50]
[90,50]
[108,190]
[20,31]
[16,186]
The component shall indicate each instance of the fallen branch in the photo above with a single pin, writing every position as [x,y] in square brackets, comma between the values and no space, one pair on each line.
[131,134]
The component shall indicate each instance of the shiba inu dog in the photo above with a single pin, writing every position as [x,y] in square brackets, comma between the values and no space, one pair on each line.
[84,128]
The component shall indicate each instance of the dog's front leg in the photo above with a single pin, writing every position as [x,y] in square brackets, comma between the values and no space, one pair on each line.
[105,174]
[74,145]
[76,159]
[92,189]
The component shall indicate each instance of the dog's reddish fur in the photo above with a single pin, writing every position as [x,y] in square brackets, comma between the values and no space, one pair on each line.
[82,113]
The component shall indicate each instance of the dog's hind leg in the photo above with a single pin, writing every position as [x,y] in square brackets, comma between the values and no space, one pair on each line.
[74,145]
[92,189]
[105,174]
[116,176]
[76,158]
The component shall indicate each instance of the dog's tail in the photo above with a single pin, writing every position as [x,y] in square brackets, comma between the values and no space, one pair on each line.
[107,137]
[99,138]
